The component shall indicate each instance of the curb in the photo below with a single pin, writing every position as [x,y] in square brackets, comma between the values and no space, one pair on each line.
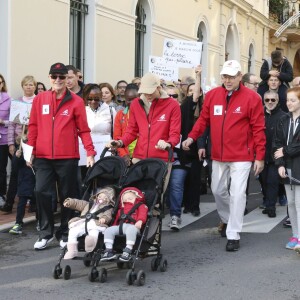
[9,225]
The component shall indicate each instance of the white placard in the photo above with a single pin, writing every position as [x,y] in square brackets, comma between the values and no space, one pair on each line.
[99,142]
[158,67]
[183,54]
[19,112]
[27,151]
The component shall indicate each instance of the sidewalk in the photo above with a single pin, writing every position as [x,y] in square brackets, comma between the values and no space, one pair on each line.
[8,220]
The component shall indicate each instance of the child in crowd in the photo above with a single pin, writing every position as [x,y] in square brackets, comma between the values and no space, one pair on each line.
[286,146]
[25,188]
[131,216]
[95,217]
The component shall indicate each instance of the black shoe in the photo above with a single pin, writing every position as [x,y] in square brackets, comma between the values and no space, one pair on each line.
[223,230]
[272,213]
[186,211]
[196,213]
[265,211]
[233,245]
[6,208]
[287,223]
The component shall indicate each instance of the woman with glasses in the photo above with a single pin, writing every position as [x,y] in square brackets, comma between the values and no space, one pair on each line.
[4,116]
[100,115]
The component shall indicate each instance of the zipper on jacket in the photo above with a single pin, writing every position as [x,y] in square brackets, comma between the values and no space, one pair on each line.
[53,137]
[222,137]
[149,124]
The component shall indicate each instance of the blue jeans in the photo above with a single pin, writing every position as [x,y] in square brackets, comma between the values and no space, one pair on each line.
[176,188]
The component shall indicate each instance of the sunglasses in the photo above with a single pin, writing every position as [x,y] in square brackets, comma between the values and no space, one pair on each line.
[95,99]
[173,96]
[61,77]
[270,99]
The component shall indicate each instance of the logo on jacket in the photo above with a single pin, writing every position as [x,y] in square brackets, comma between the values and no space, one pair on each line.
[237,110]
[65,113]
[162,118]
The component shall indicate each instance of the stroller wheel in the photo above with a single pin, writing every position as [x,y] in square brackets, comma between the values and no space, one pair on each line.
[154,264]
[93,275]
[67,272]
[102,275]
[120,265]
[141,278]
[56,272]
[87,259]
[130,277]
[164,266]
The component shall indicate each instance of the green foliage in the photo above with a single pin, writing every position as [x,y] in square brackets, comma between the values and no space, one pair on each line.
[276,7]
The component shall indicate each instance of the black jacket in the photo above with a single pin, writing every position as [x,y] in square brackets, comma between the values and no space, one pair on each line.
[291,158]
[188,120]
[271,119]
[26,178]
[285,69]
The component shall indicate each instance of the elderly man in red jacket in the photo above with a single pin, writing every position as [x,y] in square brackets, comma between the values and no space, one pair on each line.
[236,119]
[57,118]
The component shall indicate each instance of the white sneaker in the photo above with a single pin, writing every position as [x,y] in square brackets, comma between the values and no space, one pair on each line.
[62,244]
[42,243]
[175,223]
[2,201]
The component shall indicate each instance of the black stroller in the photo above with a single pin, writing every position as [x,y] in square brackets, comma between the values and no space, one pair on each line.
[108,171]
[148,176]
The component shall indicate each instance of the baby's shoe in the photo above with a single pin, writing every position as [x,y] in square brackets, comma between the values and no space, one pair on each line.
[72,251]
[126,255]
[108,254]
[90,243]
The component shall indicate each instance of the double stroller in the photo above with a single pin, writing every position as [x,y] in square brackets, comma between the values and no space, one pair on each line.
[149,177]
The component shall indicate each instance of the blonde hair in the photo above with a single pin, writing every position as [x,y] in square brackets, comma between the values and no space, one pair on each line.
[28,78]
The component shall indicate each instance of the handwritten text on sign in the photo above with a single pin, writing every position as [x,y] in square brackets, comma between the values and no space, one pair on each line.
[157,66]
[183,54]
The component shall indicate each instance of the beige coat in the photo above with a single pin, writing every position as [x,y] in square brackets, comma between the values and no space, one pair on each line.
[83,207]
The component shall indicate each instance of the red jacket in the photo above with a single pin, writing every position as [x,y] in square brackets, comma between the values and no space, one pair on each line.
[120,125]
[140,214]
[54,134]
[236,128]
[162,123]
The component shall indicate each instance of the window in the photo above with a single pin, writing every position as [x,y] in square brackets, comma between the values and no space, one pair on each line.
[78,12]
[140,32]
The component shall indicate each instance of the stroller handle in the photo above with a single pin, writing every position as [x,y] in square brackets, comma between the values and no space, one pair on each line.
[170,153]
[104,152]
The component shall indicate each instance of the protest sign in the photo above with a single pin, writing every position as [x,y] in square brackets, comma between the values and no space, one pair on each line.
[183,54]
[19,112]
[158,67]
[99,142]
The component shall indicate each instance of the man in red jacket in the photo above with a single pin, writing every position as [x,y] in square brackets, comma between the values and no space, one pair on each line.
[235,116]
[57,118]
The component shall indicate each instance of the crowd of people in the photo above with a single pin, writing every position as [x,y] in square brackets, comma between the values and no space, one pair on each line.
[242,123]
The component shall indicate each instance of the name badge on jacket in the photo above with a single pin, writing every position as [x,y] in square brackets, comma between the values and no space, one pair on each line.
[46,109]
[218,109]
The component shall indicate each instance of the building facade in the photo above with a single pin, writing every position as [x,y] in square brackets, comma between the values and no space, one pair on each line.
[112,39]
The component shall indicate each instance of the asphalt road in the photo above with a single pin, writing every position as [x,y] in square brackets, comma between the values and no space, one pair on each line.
[198,267]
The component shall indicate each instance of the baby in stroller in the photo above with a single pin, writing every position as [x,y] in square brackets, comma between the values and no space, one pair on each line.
[130,217]
[95,217]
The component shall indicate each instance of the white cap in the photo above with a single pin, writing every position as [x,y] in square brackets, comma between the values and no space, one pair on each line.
[231,68]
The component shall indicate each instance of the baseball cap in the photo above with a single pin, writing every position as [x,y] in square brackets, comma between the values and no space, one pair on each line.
[58,68]
[149,83]
[231,68]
